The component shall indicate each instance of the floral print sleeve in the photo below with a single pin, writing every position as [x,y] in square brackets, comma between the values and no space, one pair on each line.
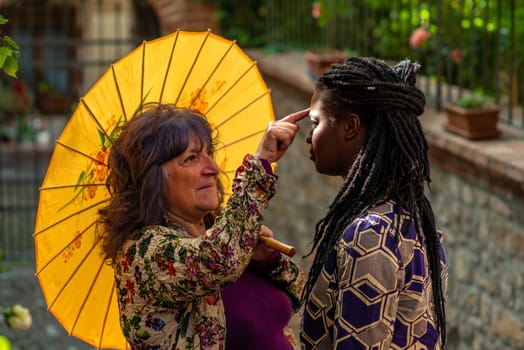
[181,265]
[169,283]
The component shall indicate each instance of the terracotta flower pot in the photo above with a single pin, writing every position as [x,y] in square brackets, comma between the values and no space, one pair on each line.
[474,124]
[54,104]
[319,61]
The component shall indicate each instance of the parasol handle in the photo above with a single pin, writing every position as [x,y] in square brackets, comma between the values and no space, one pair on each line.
[277,245]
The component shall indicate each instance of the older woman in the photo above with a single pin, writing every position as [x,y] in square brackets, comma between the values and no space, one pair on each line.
[171,257]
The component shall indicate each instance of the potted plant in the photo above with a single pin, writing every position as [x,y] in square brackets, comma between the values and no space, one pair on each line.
[473,116]
[16,105]
[321,59]
[51,100]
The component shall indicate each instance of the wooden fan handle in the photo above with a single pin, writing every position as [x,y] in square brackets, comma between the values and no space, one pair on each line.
[277,245]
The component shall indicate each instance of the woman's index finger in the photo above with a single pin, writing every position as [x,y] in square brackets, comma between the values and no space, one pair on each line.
[296,117]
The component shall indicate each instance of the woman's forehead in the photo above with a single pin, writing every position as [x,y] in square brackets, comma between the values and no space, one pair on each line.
[198,140]
[316,110]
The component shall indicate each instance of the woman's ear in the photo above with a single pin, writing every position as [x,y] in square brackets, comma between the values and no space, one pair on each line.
[351,126]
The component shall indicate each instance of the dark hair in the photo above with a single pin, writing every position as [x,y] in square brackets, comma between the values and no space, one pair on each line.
[136,179]
[392,161]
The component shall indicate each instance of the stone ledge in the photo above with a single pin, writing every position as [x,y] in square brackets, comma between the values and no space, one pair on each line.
[496,164]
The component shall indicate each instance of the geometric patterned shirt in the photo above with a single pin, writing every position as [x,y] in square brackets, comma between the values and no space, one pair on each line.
[374,291]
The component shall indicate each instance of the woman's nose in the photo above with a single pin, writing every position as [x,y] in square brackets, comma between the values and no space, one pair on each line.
[211,166]
[308,136]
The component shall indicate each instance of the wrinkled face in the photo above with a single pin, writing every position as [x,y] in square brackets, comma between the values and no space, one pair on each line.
[192,181]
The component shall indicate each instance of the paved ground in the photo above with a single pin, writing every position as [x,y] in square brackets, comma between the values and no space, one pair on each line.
[18,285]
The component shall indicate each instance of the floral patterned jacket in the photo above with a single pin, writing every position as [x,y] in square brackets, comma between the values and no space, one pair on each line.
[169,283]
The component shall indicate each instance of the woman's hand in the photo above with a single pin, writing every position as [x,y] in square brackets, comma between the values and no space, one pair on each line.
[279,135]
[262,252]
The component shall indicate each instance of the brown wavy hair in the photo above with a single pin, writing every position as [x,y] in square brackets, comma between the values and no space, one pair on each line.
[136,180]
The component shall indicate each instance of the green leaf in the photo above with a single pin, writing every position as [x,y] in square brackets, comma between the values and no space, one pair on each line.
[81,178]
[3,20]
[143,334]
[102,136]
[126,327]
[10,66]
[4,53]
[11,43]
[135,322]
[116,129]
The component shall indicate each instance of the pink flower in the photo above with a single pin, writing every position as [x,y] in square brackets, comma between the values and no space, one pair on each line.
[457,55]
[19,87]
[315,10]
[418,37]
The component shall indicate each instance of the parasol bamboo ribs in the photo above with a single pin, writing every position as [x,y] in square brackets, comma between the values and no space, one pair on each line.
[277,245]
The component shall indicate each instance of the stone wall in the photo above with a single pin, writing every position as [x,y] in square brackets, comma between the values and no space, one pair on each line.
[477,199]
[485,248]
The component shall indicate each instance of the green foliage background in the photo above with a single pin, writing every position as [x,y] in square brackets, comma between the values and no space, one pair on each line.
[9,53]
[482,30]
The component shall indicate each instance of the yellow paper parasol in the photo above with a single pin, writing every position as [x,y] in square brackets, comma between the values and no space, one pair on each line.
[199,70]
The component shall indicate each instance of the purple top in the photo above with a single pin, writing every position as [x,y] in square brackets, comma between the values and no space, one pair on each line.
[256,313]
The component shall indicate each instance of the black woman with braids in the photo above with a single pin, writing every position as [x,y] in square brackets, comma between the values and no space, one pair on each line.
[379,276]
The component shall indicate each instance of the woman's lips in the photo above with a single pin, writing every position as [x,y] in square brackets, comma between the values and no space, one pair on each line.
[208,186]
